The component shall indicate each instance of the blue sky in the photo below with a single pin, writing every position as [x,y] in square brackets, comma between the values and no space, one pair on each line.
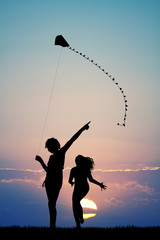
[123,37]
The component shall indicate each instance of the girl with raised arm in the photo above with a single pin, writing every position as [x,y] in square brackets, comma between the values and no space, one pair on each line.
[54,170]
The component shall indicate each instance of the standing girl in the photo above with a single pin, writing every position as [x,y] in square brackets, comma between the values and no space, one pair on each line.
[54,170]
[80,174]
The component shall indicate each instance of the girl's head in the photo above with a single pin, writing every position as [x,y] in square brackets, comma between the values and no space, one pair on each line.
[84,162]
[52,145]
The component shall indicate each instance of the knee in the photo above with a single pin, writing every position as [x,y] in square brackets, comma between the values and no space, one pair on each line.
[51,203]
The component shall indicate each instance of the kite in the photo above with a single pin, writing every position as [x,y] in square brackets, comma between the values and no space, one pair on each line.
[59,40]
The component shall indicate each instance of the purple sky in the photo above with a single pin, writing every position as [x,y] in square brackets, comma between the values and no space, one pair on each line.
[131,198]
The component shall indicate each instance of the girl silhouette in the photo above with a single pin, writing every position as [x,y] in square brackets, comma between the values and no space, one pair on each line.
[54,169]
[81,173]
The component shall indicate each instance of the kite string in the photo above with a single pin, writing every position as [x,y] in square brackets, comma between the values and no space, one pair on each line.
[49,102]
[113,79]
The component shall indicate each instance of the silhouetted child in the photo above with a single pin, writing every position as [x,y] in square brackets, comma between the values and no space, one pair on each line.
[81,173]
[54,169]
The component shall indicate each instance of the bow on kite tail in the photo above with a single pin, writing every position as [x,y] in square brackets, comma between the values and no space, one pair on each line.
[63,43]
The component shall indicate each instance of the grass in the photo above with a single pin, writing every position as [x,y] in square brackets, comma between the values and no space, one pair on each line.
[128,231]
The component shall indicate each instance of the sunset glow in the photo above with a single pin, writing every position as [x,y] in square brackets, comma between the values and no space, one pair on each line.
[122,37]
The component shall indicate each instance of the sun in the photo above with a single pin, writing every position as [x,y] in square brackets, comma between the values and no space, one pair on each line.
[88,215]
[86,203]
[89,204]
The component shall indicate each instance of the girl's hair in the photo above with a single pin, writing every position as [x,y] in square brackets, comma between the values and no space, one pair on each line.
[52,142]
[84,162]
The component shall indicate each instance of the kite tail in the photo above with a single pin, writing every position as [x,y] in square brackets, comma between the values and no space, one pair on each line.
[113,79]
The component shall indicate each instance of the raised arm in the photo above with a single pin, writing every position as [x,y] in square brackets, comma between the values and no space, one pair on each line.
[91,179]
[40,160]
[75,136]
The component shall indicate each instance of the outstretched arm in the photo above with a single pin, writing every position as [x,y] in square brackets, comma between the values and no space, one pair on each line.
[91,179]
[75,136]
[40,160]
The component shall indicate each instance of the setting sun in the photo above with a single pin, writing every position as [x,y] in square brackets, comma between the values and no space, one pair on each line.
[89,204]
[88,215]
[86,203]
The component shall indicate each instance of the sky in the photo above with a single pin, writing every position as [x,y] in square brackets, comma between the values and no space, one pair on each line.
[123,38]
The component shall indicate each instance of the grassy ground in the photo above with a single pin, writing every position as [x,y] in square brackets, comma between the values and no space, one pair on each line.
[129,231]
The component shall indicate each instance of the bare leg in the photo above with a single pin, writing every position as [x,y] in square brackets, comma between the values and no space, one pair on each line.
[81,214]
[77,208]
[76,211]
[52,213]
[52,194]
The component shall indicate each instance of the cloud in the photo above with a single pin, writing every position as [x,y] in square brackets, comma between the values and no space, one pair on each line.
[19,180]
[127,194]
[12,175]
[114,202]
[134,185]
[21,170]
[128,170]
[146,200]
[95,170]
